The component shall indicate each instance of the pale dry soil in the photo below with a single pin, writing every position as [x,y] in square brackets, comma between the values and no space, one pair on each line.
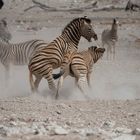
[36,118]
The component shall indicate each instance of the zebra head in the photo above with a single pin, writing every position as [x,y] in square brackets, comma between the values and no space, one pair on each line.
[115,24]
[87,30]
[96,53]
[115,21]
[5,35]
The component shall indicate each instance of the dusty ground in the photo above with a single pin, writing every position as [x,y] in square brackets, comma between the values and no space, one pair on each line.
[25,116]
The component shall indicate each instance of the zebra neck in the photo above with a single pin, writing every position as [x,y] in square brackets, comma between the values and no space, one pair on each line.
[114,30]
[95,57]
[87,57]
[113,34]
[72,35]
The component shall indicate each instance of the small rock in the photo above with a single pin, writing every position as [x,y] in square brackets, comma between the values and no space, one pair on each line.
[123,130]
[109,124]
[125,137]
[58,112]
[60,131]
[132,115]
[13,123]
[2,131]
[2,108]
[136,131]
[87,132]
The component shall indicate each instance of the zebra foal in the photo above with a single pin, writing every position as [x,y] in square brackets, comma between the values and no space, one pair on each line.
[44,61]
[80,67]
[110,37]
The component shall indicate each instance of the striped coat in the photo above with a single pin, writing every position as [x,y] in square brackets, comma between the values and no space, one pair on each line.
[18,54]
[51,57]
[110,37]
[80,67]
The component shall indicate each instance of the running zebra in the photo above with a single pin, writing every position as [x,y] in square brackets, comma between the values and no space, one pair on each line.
[80,67]
[18,54]
[49,58]
[110,37]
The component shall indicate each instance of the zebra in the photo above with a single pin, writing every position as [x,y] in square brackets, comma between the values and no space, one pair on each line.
[50,57]
[80,67]
[5,35]
[110,37]
[18,54]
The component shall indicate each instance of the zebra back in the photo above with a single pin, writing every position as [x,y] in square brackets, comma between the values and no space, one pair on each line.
[80,62]
[20,53]
[87,57]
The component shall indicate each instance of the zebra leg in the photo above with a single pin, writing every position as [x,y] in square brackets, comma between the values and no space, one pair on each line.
[108,50]
[32,83]
[7,73]
[82,82]
[36,83]
[59,84]
[50,79]
[113,52]
[88,80]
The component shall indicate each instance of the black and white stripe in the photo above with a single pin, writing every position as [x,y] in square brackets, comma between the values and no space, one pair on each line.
[51,57]
[80,67]
[18,54]
[110,37]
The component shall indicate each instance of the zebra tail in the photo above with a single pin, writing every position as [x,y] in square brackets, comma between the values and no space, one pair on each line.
[58,75]
[31,81]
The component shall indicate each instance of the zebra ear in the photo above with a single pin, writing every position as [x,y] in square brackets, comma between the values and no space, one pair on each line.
[86,20]
[114,20]
[93,48]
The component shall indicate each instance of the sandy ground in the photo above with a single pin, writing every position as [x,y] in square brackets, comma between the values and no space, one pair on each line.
[113,113]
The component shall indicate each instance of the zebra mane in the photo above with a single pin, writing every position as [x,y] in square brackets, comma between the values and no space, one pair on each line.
[75,20]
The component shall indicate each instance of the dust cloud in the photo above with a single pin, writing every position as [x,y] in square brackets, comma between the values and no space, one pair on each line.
[111,79]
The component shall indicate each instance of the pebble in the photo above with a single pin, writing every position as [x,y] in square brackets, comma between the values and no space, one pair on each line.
[125,137]
[60,131]
[136,131]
